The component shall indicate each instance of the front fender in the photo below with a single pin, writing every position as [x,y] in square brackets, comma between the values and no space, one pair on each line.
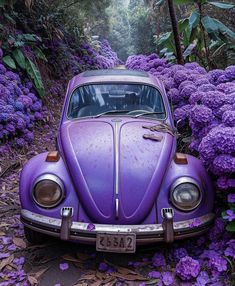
[194,169]
[36,167]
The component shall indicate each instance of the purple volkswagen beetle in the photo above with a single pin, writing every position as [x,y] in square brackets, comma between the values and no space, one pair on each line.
[116,179]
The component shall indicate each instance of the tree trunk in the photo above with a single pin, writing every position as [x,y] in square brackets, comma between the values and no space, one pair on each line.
[175,30]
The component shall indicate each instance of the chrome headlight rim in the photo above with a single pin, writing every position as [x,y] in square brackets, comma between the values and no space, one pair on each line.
[180,181]
[54,179]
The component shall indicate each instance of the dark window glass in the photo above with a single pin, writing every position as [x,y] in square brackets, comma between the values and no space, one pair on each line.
[129,99]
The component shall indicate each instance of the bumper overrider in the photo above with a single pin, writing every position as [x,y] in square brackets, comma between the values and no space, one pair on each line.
[67,229]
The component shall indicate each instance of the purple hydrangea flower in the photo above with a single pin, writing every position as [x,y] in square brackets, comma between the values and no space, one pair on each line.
[224,164]
[90,226]
[2,69]
[154,274]
[218,263]
[158,260]
[230,215]
[167,278]
[179,253]
[4,255]
[229,118]
[202,279]
[20,143]
[201,115]
[231,198]
[64,266]
[103,267]
[230,250]
[187,268]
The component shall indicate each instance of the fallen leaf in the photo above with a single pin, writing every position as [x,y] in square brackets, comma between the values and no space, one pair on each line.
[19,242]
[101,275]
[71,258]
[129,277]
[97,283]
[109,279]
[87,277]
[39,273]
[6,262]
[124,270]
[110,283]
[82,256]
[32,280]
[152,282]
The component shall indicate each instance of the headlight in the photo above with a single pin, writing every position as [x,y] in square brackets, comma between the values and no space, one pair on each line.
[185,194]
[48,191]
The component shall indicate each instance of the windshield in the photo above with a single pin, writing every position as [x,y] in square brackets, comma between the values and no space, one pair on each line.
[116,99]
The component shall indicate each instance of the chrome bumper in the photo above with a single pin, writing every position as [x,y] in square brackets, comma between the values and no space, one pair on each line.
[149,233]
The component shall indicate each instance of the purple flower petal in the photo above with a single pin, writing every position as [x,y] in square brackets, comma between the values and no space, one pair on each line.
[90,226]
[64,266]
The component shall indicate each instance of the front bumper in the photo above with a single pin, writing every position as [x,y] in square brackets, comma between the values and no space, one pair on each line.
[149,233]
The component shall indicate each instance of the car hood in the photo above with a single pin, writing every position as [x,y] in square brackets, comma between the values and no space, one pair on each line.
[116,171]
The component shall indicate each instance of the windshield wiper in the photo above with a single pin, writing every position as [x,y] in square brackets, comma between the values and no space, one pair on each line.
[110,112]
[148,113]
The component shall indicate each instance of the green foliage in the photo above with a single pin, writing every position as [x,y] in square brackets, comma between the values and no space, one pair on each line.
[20,58]
[35,75]
[216,29]
[8,60]
[141,28]
[39,53]
[119,28]
[202,36]
[221,5]
[231,226]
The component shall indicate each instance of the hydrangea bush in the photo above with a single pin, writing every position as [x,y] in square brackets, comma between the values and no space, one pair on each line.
[205,104]
[74,60]
[20,107]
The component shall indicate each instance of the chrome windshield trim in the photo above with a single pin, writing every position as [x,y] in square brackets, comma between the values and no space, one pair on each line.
[55,223]
[68,99]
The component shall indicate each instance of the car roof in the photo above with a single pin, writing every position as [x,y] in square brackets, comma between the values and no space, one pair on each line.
[114,76]
[117,72]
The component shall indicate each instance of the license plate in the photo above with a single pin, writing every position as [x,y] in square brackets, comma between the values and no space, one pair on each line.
[119,242]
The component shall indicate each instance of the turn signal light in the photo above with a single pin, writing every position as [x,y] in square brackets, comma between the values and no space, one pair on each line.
[53,156]
[181,159]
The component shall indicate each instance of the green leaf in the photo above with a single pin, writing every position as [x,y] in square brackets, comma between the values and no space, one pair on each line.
[20,58]
[31,37]
[8,60]
[214,27]
[3,3]
[183,2]
[183,24]
[160,2]
[39,53]
[194,20]
[189,50]
[35,75]
[221,5]
[18,44]
[224,213]
[231,226]
[9,18]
